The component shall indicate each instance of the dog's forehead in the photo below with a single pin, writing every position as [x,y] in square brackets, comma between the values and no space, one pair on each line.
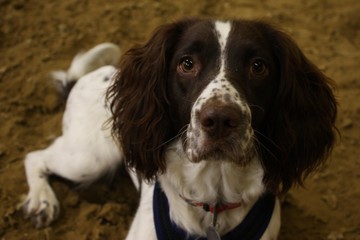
[218,36]
[198,37]
[207,30]
[250,36]
[205,39]
[201,29]
[219,88]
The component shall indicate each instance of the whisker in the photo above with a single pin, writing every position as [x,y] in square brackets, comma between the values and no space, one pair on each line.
[180,134]
[257,106]
[267,138]
[189,101]
[264,147]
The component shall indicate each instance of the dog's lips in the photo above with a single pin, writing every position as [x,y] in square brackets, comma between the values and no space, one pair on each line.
[210,151]
[220,150]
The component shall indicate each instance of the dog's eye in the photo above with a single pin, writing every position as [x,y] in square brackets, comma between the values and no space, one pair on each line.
[186,65]
[258,67]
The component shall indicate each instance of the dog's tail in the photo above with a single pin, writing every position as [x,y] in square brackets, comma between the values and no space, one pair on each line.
[83,63]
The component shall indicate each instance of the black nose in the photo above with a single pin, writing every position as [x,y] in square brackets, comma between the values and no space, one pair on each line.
[219,121]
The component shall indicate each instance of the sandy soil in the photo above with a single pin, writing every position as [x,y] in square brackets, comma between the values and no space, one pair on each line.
[39,36]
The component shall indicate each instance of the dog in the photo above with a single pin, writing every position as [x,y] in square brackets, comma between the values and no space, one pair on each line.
[217,118]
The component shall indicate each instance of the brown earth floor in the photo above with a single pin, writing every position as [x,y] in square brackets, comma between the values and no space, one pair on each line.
[38,36]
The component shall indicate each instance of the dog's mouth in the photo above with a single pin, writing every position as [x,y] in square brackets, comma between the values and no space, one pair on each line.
[234,148]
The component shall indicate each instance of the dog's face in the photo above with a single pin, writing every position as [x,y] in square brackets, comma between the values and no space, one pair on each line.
[229,90]
[223,75]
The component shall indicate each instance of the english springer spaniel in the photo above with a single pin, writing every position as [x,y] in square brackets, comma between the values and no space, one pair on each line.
[217,118]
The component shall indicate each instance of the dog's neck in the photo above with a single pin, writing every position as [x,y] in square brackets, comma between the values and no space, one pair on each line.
[209,182]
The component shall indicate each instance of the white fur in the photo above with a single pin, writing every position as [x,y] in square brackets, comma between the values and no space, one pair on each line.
[86,150]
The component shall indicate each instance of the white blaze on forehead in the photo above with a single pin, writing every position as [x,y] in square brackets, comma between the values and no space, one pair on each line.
[222,29]
[220,87]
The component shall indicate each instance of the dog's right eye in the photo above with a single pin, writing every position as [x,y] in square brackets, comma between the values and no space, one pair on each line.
[187,64]
[188,67]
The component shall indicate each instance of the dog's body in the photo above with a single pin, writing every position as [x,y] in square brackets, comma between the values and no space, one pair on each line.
[218,113]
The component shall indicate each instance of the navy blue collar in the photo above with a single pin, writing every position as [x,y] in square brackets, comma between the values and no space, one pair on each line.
[251,228]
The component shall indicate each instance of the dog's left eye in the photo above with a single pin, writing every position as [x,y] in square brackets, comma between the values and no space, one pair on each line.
[258,67]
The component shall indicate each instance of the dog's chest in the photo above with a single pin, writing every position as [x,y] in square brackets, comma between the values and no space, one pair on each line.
[209,182]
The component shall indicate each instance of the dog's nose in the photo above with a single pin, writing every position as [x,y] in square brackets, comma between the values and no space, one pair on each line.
[219,121]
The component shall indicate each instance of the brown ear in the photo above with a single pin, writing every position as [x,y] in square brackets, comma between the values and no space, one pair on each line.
[139,101]
[300,130]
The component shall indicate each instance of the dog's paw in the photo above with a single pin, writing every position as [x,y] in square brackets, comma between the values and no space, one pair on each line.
[41,206]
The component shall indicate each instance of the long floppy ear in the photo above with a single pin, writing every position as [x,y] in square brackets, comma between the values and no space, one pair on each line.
[140,103]
[300,130]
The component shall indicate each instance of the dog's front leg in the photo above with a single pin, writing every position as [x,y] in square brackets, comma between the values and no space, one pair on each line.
[143,226]
[65,160]
[41,204]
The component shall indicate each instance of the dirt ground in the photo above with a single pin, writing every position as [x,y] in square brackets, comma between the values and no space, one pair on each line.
[38,36]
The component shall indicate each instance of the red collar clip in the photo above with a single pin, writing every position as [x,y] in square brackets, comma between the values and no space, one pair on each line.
[218,207]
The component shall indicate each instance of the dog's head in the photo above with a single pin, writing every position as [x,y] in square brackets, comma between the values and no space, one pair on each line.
[229,90]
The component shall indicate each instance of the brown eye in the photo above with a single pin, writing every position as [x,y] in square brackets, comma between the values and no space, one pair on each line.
[258,67]
[186,64]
